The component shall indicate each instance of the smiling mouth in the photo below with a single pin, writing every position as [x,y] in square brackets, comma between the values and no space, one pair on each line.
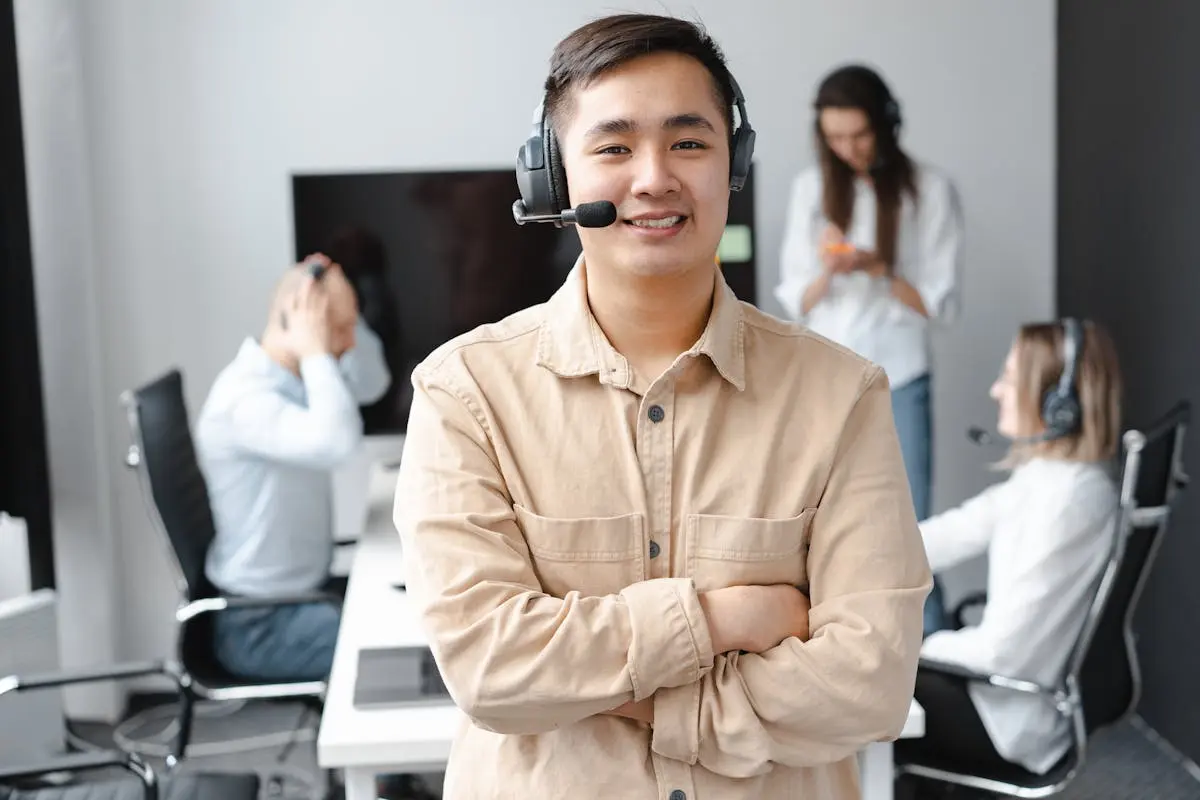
[665,222]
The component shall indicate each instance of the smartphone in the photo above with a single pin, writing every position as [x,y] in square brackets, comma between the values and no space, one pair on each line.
[839,247]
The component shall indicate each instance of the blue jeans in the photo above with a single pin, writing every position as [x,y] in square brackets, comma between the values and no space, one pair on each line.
[283,643]
[912,409]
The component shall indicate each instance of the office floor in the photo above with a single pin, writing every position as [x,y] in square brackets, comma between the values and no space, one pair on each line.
[1125,763]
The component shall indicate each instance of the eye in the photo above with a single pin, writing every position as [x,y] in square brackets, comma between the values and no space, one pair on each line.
[613,150]
[691,144]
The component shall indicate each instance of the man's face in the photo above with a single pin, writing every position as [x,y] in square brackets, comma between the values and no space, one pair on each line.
[650,136]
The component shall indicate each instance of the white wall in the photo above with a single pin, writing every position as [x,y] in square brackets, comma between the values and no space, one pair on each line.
[55,119]
[199,112]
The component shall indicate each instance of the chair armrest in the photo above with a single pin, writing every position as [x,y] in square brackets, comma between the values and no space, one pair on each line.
[78,762]
[211,605]
[48,680]
[1015,684]
[970,601]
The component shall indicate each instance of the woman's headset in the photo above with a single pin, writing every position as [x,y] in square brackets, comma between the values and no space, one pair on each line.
[543,181]
[1061,410]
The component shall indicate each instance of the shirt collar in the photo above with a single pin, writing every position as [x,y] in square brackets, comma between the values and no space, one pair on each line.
[256,361]
[571,343]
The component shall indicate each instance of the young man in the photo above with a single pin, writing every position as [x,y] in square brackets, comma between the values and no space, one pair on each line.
[613,505]
[277,421]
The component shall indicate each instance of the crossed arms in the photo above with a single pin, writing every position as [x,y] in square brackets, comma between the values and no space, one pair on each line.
[519,661]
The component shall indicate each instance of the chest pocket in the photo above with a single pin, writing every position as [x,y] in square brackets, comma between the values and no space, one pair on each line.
[738,551]
[594,556]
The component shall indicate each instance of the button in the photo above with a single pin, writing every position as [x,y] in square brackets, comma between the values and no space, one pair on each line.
[657,414]
[654,550]
[679,794]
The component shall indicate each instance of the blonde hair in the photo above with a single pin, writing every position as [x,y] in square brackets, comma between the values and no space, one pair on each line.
[1039,351]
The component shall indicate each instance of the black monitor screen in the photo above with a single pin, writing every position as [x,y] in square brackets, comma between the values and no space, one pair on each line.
[435,254]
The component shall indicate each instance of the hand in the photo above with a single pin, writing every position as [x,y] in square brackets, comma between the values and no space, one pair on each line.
[838,255]
[868,261]
[306,320]
[755,618]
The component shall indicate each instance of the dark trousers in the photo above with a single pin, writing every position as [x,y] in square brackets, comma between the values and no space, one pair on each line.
[953,730]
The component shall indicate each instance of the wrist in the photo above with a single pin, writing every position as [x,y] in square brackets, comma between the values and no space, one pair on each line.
[715,613]
[312,350]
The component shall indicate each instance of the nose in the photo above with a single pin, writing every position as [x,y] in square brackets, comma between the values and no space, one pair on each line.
[653,174]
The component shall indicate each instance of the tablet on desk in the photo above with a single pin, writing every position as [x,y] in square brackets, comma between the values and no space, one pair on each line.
[395,677]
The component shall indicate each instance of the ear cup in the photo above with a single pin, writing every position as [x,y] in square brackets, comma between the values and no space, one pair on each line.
[533,171]
[559,195]
[743,156]
[891,115]
[1060,412]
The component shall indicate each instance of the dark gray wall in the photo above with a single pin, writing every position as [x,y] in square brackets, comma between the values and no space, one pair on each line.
[24,471]
[1129,256]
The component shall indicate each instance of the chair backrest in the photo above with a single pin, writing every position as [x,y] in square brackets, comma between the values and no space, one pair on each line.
[1105,660]
[165,456]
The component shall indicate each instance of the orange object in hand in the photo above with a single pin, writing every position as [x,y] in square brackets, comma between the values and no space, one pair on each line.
[839,247]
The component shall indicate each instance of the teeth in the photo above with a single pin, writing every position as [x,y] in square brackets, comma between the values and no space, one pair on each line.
[665,222]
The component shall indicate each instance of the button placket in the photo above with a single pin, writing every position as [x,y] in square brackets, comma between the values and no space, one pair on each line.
[657,449]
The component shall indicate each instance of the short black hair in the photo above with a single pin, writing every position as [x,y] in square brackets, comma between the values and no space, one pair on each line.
[606,43]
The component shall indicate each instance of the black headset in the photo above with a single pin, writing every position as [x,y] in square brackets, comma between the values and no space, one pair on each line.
[1061,411]
[543,181]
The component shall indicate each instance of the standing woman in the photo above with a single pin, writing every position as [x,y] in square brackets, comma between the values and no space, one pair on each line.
[872,254]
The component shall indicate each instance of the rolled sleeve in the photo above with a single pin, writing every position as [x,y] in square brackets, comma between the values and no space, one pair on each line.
[802,704]
[504,645]
[798,264]
[671,642]
[939,273]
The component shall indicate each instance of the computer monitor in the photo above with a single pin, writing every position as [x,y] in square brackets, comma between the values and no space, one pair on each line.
[433,254]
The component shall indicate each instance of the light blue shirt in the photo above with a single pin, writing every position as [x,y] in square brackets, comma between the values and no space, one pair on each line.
[267,441]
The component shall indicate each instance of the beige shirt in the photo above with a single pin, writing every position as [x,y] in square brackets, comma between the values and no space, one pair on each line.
[559,515]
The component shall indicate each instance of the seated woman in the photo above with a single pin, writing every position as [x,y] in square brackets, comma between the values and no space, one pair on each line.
[1048,532]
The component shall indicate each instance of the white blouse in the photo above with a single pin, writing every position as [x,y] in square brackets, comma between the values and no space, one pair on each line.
[859,311]
[1048,533]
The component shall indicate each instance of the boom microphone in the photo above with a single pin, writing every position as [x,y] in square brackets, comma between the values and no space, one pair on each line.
[983,437]
[599,214]
[979,436]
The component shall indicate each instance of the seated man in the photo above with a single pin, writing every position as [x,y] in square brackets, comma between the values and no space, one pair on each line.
[277,421]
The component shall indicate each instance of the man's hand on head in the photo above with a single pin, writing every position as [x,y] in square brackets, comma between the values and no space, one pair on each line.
[305,318]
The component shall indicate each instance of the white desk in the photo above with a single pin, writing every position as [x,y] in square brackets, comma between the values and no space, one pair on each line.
[366,743]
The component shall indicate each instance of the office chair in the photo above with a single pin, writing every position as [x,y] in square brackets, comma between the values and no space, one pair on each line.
[1102,682]
[29,782]
[163,453]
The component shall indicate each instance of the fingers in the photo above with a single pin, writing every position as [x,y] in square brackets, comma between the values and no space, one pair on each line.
[319,259]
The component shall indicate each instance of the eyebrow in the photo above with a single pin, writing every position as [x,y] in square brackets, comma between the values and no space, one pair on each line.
[609,127]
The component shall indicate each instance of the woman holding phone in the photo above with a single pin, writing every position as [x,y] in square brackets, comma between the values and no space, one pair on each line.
[872,254]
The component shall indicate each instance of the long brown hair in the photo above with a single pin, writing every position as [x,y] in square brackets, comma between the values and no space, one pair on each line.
[859,87]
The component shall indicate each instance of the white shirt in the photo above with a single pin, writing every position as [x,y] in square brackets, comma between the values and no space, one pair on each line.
[859,311]
[267,441]
[1048,533]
